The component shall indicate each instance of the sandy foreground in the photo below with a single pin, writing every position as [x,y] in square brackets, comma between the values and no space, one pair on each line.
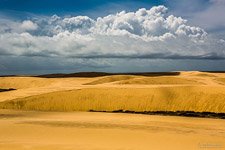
[71,129]
[21,130]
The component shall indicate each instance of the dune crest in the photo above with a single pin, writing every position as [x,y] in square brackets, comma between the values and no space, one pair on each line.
[188,91]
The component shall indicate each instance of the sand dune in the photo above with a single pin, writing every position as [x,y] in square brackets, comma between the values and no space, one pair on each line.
[160,81]
[111,79]
[221,80]
[189,98]
[189,91]
[22,130]
[200,92]
[28,86]
[23,82]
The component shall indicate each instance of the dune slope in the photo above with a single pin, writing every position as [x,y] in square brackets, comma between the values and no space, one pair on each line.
[160,81]
[189,91]
[110,79]
[199,99]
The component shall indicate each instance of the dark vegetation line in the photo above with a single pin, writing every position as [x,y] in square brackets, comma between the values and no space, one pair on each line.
[5,90]
[9,76]
[101,74]
[171,113]
[96,74]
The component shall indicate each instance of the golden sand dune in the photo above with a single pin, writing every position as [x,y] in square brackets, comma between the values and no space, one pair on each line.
[23,82]
[190,91]
[21,130]
[35,82]
[160,81]
[28,86]
[189,98]
[110,79]
[198,92]
[221,80]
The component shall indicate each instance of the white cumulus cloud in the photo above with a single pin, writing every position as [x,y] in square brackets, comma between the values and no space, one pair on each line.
[146,33]
[28,25]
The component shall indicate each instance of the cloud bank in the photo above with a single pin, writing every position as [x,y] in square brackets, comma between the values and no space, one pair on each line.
[145,40]
[208,14]
[143,34]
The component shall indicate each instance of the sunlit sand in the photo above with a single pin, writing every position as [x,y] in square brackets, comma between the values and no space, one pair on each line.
[92,131]
[30,117]
[189,91]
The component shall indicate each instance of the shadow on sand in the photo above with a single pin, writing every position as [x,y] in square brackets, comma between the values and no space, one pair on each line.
[172,113]
[5,90]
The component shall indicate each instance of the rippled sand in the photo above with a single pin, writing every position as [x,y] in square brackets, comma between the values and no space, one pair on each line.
[21,130]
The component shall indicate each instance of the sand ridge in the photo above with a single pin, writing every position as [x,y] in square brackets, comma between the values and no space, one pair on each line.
[188,91]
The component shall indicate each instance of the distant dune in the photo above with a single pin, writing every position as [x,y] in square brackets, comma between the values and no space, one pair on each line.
[160,81]
[112,78]
[169,92]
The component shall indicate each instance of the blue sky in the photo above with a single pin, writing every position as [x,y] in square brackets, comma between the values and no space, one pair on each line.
[92,8]
[49,36]
[23,9]
[68,6]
